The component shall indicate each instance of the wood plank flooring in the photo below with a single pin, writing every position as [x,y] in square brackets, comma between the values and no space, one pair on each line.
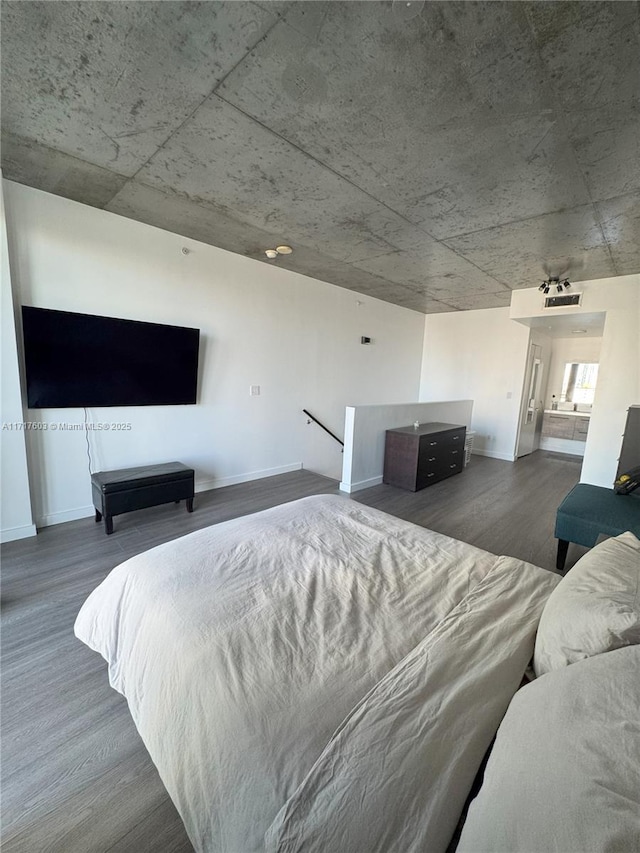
[76,777]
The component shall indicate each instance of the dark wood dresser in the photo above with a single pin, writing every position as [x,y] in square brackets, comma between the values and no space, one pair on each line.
[415,458]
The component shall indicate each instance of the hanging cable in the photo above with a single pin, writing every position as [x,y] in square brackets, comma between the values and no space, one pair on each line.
[86,434]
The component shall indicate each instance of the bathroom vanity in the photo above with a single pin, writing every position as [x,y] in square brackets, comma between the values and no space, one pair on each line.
[564,431]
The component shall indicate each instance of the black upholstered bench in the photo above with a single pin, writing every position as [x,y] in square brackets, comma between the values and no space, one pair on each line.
[589,512]
[127,489]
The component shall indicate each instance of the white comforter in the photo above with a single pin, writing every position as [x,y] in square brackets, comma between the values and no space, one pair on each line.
[320,673]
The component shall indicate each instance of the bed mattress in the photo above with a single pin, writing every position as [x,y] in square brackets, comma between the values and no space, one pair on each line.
[318,676]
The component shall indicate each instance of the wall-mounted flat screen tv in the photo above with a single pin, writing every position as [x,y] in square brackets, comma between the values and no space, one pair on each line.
[79,360]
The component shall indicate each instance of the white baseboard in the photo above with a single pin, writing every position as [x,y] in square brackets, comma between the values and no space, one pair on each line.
[494,454]
[66,515]
[201,486]
[221,482]
[10,534]
[362,484]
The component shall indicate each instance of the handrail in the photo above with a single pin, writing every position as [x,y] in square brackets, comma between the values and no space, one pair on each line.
[326,429]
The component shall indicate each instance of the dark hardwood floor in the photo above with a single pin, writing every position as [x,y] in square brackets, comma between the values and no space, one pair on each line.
[75,775]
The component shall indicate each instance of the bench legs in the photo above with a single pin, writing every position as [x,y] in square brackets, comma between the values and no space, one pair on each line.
[563,547]
[108,519]
[108,522]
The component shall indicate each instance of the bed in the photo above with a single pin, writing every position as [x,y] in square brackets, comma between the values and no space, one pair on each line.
[319,676]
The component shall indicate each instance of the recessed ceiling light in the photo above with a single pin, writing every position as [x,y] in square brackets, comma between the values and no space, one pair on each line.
[578,331]
[284,250]
[271,253]
[407,9]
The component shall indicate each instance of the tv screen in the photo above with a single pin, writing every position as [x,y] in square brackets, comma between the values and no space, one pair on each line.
[79,360]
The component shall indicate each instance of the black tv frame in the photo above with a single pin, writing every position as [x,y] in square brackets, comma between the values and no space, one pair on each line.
[88,361]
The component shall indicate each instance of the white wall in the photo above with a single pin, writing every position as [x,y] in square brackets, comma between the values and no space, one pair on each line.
[563,350]
[619,373]
[296,337]
[365,429]
[478,355]
[16,518]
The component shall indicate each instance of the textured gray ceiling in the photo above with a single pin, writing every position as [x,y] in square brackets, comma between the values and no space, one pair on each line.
[433,155]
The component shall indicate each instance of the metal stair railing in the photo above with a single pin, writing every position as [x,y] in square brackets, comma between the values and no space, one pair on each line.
[320,424]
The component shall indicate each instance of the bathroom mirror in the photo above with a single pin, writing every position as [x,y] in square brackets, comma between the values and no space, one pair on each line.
[579,382]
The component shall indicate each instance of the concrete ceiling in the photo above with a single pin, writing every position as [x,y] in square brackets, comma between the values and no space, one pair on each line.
[432,155]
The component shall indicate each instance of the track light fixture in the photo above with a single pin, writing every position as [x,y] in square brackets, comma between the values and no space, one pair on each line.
[554,281]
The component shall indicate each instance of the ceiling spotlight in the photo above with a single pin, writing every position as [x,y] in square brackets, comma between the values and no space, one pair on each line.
[554,281]
[271,253]
[407,9]
[284,250]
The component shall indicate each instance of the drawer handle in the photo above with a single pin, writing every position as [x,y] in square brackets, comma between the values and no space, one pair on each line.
[452,466]
[431,475]
[431,459]
[432,443]
[456,438]
[453,452]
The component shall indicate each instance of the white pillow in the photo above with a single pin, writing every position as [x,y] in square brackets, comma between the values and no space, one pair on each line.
[595,608]
[563,771]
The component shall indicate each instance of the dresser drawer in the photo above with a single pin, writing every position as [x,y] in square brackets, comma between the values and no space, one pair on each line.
[430,469]
[437,471]
[456,438]
[455,466]
[454,454]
